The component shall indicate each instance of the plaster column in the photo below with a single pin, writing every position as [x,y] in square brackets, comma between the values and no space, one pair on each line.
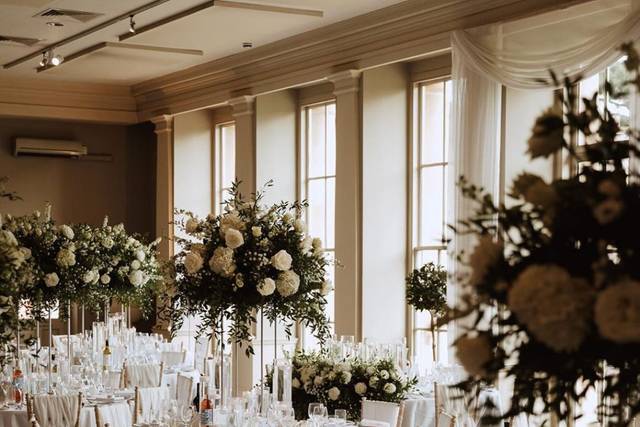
[164,203]
[348,240]
[244,116]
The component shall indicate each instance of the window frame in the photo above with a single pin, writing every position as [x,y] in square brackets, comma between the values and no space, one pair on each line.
[218,170]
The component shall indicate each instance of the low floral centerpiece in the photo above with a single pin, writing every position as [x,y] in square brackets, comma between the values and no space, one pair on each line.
[250,258]
[343,384]
[553,288]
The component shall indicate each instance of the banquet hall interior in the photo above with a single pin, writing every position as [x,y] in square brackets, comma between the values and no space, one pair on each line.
[389,213]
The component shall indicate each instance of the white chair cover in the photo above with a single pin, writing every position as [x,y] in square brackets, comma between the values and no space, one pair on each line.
[56,411]
[150,399]
[446,420]
[142,375]
[116,415]
[173,358]
[388,412]
[184,390]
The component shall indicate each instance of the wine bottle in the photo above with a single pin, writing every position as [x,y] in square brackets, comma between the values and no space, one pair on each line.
[206,408]
[106,356]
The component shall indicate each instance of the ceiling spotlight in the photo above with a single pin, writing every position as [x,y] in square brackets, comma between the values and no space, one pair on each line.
[56,60]
[55,24]
[132,25]
[246,45]
[45,59]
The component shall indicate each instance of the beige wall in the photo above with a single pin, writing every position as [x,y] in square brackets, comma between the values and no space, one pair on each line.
[384,200]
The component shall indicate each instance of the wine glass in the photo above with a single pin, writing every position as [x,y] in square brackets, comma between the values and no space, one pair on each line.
[311,409]
[319,413]
[6,391]
[186,415]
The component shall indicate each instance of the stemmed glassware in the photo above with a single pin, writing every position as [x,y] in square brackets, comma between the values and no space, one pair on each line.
[186,415]
[317,412]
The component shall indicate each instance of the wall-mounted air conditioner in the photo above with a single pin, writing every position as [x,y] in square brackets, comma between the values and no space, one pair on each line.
[48,147]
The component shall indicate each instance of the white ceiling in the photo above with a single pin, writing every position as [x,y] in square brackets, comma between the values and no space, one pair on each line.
[217,31]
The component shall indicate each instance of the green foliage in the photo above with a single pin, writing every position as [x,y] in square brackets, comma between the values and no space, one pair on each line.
[427,289]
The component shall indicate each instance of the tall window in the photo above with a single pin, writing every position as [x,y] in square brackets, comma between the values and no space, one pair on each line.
[225,166]
[318,183]
[431,141]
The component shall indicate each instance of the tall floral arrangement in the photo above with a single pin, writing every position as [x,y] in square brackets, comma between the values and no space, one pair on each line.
[562,266]
[250,258]
[118,265]
[426,289]
[343,384]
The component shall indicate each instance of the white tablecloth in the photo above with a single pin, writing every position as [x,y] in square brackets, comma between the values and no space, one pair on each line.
[419,411]
[18,418]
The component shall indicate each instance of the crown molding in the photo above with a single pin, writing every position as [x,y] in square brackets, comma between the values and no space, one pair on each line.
[405,31]
[52,99]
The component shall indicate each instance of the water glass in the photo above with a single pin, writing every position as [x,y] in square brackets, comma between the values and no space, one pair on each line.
[341,414]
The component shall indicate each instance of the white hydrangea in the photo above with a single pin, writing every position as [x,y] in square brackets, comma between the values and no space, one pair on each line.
[334,393]
[617,312]
[140,255]
[7,238]
[474,353]
[288,283]
[231,220]
[51,280]
[486,254]
[360,388]
[136,278]
[66,258]
[193,262]
[233,238]
[389,388]
[222,262]
[266,287]
[191,225]
[281,260]
[67,232]
[555,307]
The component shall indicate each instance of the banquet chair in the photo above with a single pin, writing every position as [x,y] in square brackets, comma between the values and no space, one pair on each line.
[148,375]
[446,420]
[184,390]
[55,410]
[114,415]
[387,412]
[146,400]
[173,358]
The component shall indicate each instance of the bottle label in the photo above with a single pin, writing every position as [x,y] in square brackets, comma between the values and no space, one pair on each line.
[206,417]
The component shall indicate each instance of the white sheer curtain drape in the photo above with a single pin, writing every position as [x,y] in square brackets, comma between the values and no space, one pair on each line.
[582,39]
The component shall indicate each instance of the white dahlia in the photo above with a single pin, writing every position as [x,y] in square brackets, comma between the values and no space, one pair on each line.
[222,262]
[486,254]
[288,283]
[617,312]
[193,262]
[233,238]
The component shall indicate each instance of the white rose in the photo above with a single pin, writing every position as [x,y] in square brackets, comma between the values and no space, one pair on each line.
[307,244]
[266,287]
[231,220]
[239,280]
[485,256]
[233,238]
[360,388]
[300,226]
[288,283]
[389,388]
[88,276]
[373,382]
[317,381]
[222,262]
[608,210]
[191,225]
[67,232]
[105,279]
[65,258]
[287,218]
[281,260]
[333,393]
[555,307]
[256,231]
[193,262]
[7,238]
[135,264]
[51,280]
[371,370]
[617,312]
[26,252]
[140,255]
[548,135]
[346,377]
[295,383]
[474,353]
[107,242]
[326,289]
[136,277]
[384,374]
